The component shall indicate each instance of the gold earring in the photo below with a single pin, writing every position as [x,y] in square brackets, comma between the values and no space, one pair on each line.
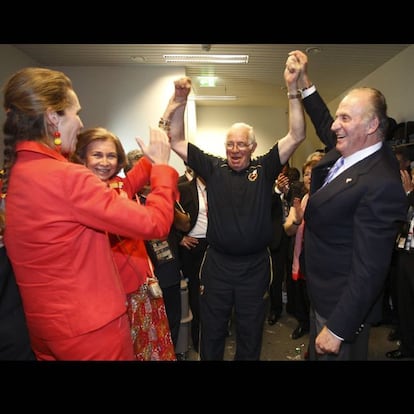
[57,139]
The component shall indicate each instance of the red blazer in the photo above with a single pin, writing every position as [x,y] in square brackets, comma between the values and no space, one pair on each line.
[57,217]
[131,254]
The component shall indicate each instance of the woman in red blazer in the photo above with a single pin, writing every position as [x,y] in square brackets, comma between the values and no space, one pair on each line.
[102,152]
[58,215]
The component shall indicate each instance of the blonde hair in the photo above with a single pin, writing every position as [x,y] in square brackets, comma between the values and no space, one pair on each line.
[28,94]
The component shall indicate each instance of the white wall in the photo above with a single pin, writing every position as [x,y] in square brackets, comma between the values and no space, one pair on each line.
[11,60]
[395,79]
[270,124]
[127,100]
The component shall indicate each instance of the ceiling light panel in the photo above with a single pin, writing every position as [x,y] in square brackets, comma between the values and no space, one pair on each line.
[232,59]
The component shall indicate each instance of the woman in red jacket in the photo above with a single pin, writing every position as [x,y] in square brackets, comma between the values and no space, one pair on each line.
[102,152]
[58,215]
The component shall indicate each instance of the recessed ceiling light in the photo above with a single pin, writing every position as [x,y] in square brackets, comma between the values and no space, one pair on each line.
[207,58]
[313,50]
[138,59]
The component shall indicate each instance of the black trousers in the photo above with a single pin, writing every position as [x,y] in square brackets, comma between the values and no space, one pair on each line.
[236,283]
[405,289]
[279,258]
[282,272]
[172,301]
[302,303]
[169,277]
[14,336]
[191,262]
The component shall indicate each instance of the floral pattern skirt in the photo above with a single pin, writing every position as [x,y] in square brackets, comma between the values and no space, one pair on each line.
[149,327]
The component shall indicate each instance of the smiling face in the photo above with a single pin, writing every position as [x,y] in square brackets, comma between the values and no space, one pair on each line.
[307,174]
[239,149]
[355,124]
[102,159]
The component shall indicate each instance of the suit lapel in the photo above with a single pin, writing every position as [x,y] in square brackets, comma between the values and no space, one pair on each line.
[347,179]
[320,171]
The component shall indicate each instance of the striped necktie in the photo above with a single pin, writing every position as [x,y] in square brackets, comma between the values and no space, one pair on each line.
[334,169]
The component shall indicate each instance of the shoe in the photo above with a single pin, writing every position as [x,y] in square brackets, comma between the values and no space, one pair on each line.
[397,354]
[299,331]
[273,318]
[394,335]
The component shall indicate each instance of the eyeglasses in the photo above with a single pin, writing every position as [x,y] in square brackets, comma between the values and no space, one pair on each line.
[239,145]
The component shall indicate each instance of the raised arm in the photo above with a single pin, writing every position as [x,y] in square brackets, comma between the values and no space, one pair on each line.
[173,119]
[297,128]
[313,103]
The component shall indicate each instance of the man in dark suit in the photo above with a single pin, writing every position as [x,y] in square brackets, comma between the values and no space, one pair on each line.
[186,176]
[351,221]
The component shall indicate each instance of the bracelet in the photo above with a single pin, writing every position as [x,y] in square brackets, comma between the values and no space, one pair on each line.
[297,224]
[294,95]
[164,124]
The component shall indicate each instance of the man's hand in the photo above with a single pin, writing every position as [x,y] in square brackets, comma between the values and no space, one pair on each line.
[302,61]
[182,88]
[292,72]
[327,343]
[282,183]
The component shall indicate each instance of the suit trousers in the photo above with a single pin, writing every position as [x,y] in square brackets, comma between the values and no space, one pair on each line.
[356,350]
[405,285]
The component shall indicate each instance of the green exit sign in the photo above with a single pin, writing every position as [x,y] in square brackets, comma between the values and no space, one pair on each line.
[207,81]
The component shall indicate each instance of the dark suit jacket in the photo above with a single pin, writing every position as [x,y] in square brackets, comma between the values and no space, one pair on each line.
[351,227]
[182,179]
[189,199]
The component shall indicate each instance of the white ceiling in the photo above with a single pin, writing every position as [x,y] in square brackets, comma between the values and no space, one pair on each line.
[260,82]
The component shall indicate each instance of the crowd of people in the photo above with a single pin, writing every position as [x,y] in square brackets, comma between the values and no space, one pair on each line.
[93,271]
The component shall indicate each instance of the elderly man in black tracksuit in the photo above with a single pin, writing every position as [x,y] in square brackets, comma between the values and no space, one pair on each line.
[236,270]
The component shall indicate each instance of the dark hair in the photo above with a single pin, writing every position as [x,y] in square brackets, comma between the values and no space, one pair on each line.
[293,174]
[89,135]
[133,156]
[392,126]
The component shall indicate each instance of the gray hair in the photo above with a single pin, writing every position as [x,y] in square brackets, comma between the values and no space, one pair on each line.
[243,126]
